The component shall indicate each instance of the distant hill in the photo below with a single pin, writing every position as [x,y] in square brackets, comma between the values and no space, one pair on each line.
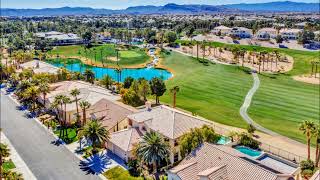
[167,9]
[280,6]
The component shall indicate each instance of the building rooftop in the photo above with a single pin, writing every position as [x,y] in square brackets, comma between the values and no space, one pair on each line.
[222,162]
[169,122]
[40,67]
[126,139]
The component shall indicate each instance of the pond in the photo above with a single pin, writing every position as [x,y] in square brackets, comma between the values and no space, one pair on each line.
[136,73]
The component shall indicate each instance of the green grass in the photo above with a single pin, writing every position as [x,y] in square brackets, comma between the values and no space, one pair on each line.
[105,54]
[72,135]
[215,92]
[8,165]
[118,173]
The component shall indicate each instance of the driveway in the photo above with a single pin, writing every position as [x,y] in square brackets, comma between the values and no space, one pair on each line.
[46,159]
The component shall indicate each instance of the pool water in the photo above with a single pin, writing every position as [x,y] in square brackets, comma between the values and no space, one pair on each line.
[248,151]
[147,73]
[223,140]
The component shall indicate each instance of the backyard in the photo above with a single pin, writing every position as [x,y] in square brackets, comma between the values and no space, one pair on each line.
[216,92]
[102,55]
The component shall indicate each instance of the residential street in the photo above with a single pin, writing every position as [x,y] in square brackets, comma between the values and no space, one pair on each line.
[35,146]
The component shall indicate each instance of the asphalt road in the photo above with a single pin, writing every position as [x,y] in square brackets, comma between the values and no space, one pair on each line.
[35,146]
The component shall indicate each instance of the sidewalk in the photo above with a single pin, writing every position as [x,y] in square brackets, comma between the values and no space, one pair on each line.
[21,166]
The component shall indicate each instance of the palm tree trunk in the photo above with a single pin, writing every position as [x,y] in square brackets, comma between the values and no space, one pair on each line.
[154,166]
[308,145]
[174,99]
[317,154]
[44,100]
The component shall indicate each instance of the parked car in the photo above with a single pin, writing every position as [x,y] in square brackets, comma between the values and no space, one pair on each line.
[236,42]
[283,46]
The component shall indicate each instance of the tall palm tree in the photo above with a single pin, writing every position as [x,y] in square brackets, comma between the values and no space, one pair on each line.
[152,149]
[75,93]
[89,75]
[308,128]
[44,90]
[32,92]
[174,91]
[317,135]
[84,106]
[95,132]
[58,101]
[65,100]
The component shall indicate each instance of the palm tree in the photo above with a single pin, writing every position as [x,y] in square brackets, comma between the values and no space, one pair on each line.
[106,81]
[65,100]
[96,133]
[75,92]
[317,135]
[174,91]
[44,89]
[152,149]
[89,74]
[84,106]
[308,128]
[32,92]
[58,101]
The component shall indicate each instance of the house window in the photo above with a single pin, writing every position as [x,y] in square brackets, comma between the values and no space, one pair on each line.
[176,157]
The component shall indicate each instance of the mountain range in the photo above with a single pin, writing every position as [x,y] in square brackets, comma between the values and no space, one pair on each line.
[171,8]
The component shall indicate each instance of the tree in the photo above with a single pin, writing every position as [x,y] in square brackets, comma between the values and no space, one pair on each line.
[143,89]
[127,82]
[308,127]
[279,39]
[158,88]
[247,140]
[44,89]
[84,106]
[96,133]
[32,92]
[190,141]
[305,37]
[152,149]
[87,36]
[317,135]
[174,92]
[106,81]
[171,37]
[251,129]
[75,93]
[89,75]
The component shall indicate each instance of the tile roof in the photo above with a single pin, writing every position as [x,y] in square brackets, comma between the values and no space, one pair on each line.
[168,121]
[109,113]
[222,162]
[126,139]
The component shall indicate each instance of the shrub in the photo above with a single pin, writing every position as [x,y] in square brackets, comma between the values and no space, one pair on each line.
[307,165]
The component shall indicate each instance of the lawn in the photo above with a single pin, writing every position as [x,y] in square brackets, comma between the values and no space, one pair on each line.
[216,92]
[7,165]
[72,135]
[103,54]
[118,173]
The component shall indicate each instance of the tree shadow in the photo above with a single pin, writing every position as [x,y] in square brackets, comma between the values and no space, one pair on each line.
[95,164]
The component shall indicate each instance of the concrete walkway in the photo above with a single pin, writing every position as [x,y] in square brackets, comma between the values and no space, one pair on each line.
[246,105]
[21,166]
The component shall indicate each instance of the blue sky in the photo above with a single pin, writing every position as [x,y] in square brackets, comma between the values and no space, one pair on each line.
[117,4]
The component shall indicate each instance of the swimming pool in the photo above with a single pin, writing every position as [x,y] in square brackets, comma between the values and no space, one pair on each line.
[224,140]
[136,73]
[248,151]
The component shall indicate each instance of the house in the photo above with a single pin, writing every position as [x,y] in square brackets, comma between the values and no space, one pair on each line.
[241,32]
[59,39]
[222,29]
[266,34]
[213,162]
[316,175]
[290,34]
[103,104]
[301,25]
[39,67]
[168,122]
[122,143]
